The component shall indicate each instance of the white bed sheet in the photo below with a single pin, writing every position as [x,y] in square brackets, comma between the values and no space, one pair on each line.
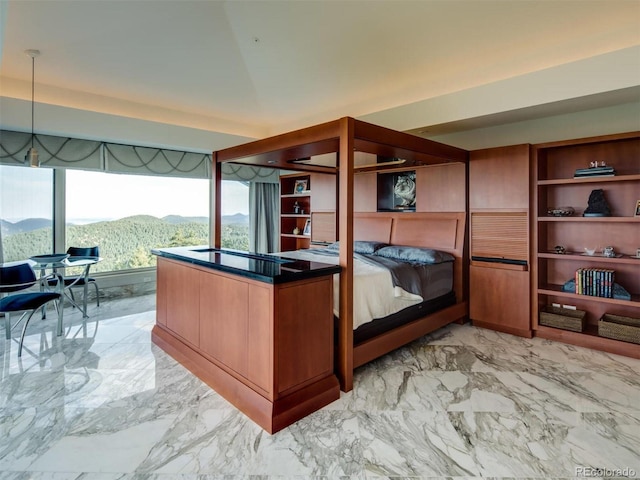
[374,295]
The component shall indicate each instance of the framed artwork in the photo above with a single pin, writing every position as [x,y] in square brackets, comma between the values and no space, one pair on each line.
[307,227]
[300,186]
[637,214]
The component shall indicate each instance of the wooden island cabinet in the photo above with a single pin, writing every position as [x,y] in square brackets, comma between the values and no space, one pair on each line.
[257,329]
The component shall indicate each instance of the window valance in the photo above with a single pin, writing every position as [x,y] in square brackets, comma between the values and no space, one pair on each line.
[60,152]
[155,161]
[64,152]
[247,173]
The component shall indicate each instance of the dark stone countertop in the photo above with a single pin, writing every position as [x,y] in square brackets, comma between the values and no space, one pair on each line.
[257,266]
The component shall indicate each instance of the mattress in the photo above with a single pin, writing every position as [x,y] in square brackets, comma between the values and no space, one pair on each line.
[379,326]
[376,295]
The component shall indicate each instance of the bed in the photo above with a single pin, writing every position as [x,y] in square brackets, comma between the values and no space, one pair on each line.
[389,280]
[435,225]
[440,231]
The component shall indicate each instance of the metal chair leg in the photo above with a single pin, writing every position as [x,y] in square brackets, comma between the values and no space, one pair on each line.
[97,294]
[7,325]
[85,289]
[60,312]
[24,330]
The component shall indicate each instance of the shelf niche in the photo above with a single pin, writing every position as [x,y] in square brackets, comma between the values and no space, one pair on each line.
[397,191]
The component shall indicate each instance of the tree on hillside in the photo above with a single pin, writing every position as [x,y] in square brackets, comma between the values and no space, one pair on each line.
[182,238]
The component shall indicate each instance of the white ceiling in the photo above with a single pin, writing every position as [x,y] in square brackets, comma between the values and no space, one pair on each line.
[256,68]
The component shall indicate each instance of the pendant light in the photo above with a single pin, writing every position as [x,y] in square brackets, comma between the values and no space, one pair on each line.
[31,158]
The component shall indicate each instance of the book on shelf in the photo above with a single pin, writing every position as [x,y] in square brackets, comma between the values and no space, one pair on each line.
[594,172]
[596,282]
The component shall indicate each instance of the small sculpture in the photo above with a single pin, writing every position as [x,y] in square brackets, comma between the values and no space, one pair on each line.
[598,206]
[596,165]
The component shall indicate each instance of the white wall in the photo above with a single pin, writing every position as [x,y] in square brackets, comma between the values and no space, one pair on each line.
[63,121]
[589,123]
[589,97]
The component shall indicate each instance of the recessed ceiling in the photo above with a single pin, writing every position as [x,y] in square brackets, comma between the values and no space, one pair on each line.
[243,67]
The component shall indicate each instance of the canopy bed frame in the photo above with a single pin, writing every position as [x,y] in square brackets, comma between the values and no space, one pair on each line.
[438,230]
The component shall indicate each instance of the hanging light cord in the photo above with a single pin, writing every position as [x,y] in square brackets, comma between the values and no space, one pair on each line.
[33,77]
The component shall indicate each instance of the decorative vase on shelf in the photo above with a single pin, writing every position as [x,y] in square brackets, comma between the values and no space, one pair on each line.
[296,231]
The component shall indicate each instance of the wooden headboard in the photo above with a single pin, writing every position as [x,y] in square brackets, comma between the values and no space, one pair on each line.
[443,231]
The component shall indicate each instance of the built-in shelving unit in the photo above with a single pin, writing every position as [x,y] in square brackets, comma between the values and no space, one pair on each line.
[555,164]
[295,212]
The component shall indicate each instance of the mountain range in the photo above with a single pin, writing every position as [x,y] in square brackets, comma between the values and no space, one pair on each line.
[31,224]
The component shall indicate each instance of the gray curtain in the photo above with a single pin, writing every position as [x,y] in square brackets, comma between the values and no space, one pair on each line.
[263,217]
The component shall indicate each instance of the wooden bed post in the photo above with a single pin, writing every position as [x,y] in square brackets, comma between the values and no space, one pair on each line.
[215,199]
[345,228]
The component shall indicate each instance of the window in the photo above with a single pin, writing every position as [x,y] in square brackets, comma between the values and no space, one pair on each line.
[128,215]
[26,212]
[235,215]
[125,215]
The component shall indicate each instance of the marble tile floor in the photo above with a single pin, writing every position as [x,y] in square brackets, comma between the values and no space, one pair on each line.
[102,402]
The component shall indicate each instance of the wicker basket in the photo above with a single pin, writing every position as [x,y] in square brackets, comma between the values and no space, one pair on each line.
[618,327]
[564,318]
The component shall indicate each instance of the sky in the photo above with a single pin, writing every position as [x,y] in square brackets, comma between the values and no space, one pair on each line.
[26,193]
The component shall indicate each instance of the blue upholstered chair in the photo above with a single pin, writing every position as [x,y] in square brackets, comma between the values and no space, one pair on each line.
[14,278]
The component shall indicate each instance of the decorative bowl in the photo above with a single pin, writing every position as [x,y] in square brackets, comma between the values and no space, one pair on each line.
[560,211]
[51,258]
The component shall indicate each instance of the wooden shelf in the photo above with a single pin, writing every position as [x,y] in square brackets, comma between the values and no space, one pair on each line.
[291,235]
[556,291]
[625,259]
[569,181]
[295,215]
[589,339]
[591,219]
[306,193]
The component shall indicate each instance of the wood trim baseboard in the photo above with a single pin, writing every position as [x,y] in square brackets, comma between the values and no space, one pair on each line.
[271,416]
[527,333]
[396,338]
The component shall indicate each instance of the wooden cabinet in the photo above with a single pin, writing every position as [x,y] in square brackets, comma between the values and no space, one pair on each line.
[242,345]
[499,178]
[499,274]
[267,348]
[439,188]
[555,164]
[298,206]
[499,297]
[179,311]
[364,192]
